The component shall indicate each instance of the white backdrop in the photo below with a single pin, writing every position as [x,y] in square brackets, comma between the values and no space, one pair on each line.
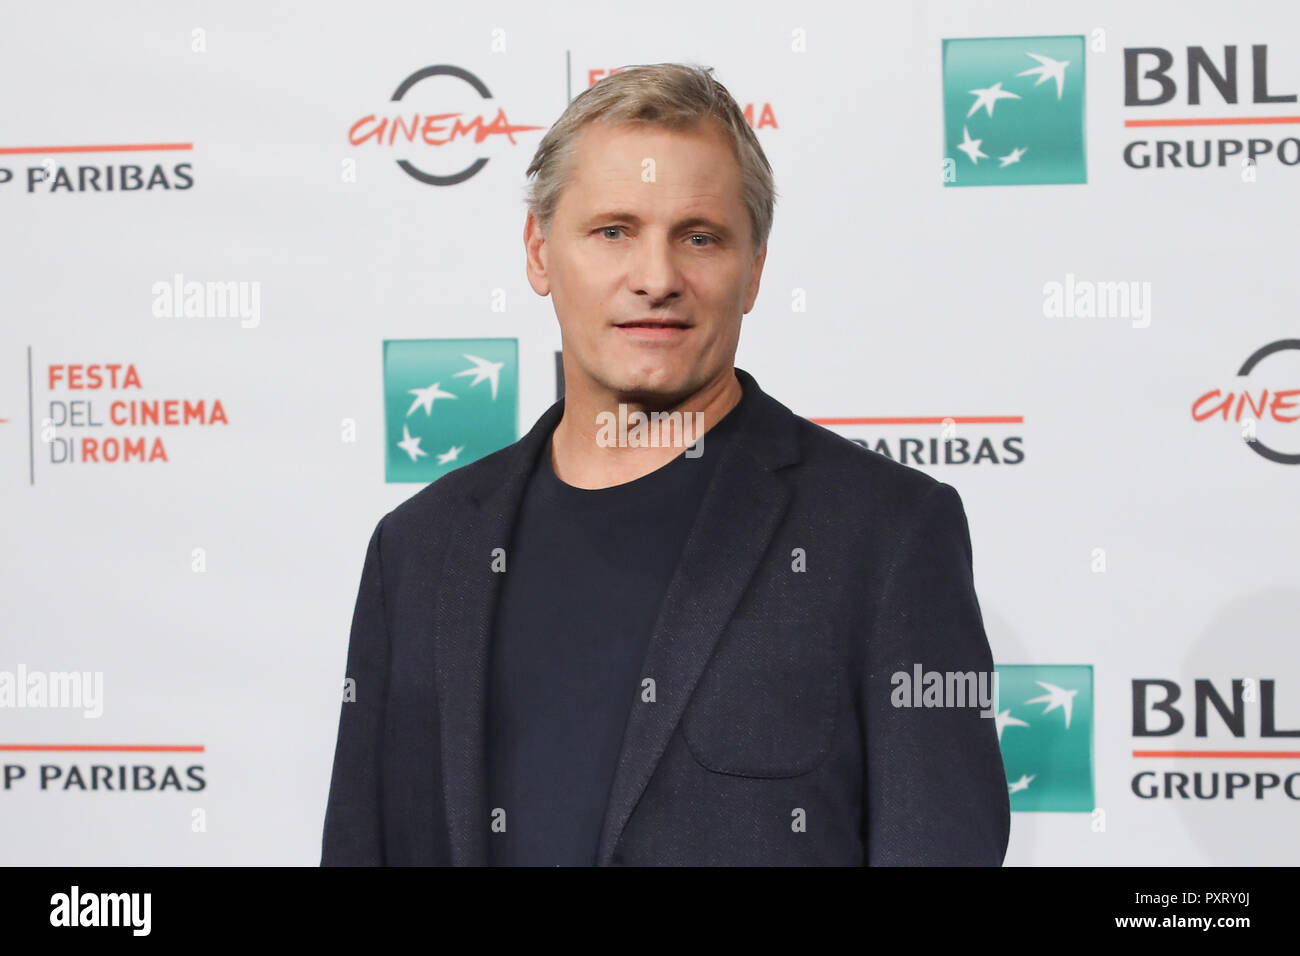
[214,590]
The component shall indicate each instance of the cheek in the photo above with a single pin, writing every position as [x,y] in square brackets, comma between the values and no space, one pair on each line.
[724,290]
[579,295]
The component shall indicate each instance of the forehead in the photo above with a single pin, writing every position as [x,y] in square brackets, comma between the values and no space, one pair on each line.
[692,162]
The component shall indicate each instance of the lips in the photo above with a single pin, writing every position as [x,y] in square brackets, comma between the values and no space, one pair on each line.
[654,324]
[654,332]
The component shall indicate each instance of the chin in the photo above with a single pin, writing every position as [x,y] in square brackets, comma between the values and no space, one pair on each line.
[656,386]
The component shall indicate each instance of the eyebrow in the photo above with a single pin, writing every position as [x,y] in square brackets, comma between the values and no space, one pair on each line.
[690,222]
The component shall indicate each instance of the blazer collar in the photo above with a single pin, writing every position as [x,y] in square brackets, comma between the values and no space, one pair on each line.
[741,509]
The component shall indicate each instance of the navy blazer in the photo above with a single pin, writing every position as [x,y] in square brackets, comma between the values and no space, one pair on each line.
[814,572]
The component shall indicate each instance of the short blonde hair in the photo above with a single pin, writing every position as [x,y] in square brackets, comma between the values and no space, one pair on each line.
[671,95]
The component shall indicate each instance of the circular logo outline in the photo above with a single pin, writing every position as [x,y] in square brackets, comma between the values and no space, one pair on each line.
[432,179]
[1257,446]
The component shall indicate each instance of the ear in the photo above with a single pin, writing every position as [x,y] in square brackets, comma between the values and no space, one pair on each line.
[535,256]
[756,273]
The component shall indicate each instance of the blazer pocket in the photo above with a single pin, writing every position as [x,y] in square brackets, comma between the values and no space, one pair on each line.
[765,704]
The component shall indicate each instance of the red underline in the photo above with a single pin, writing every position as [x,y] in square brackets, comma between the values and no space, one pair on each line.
[127,148]
[107,748]
[1242,754]
[955,419]
[1218,121]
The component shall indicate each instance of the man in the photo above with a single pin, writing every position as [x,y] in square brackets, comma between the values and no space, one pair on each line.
[585,650]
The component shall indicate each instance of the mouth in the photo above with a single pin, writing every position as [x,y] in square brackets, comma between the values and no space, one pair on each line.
[654,329]
[654,324]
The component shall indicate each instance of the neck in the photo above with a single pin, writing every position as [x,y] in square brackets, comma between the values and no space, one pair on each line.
[579,459]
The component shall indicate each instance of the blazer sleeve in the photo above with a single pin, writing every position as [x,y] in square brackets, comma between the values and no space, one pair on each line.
[935,788]
[353,833]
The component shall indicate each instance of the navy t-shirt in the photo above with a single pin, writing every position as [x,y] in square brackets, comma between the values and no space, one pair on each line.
[586,573]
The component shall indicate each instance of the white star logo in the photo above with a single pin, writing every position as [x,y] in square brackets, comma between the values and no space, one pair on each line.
[483,369]
[987,97]
[1048,69]
[1022,783]
[1054,698]
[1013,156]
[411,445]
[971,147]
[451,454]
[1004,720]
[425,397]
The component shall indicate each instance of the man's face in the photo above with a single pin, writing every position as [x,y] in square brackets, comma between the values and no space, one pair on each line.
[651,227]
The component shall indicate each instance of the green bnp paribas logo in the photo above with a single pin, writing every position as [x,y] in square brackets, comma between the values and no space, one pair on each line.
[1013,111]
[447,402]
[1044,722]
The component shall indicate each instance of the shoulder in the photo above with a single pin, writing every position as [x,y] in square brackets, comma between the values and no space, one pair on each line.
[854,473]
[868,498]
[431,510]
[911,525]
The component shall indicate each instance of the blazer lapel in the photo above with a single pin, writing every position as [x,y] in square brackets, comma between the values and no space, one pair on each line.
[741,510]
[466,600]
[738,516]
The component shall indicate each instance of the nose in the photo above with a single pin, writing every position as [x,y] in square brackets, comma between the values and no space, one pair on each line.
[653,270]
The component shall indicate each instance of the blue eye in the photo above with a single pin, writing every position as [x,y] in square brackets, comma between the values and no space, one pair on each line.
[710,240]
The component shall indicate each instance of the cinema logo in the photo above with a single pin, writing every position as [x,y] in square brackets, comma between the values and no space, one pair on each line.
[1232,86]
[112,424]
[1249,407]
[47,175]
[929,441]
[411,129]
[1159,711]
[639,429]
